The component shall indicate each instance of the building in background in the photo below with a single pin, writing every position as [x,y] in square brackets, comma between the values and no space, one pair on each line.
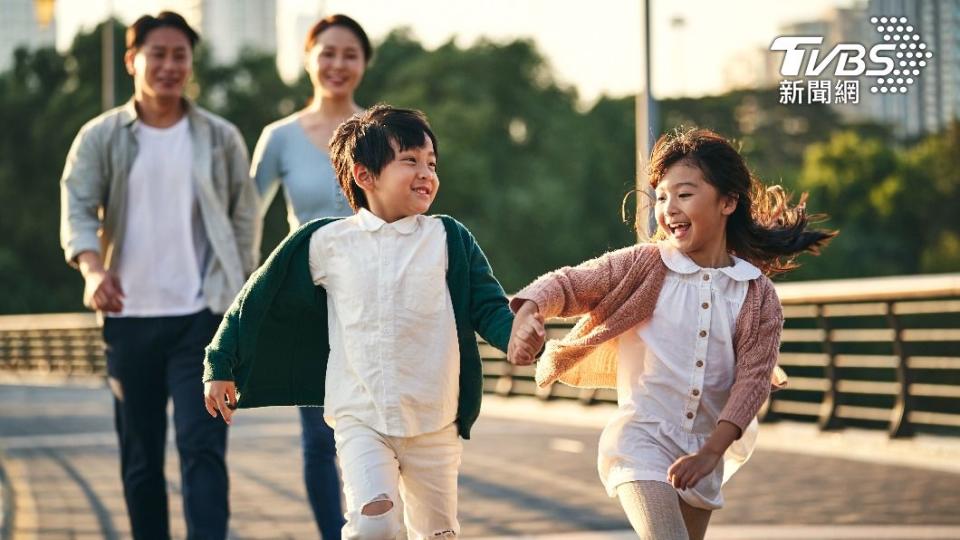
[25,23]
[292,31]
[934,100]
[750,68]
[929,104]
[228,27]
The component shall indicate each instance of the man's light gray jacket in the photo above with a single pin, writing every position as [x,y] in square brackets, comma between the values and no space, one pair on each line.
[93,195]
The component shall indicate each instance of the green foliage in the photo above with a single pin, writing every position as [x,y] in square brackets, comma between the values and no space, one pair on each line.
[44,99]
[895,208]
[539,180]
[517,163]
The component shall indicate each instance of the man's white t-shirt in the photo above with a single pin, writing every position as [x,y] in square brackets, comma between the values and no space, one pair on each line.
[165,249]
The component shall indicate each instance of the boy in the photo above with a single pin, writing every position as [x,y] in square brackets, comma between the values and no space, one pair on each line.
[373,316]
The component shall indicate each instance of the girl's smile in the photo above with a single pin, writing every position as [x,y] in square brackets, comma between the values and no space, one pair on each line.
[692,215]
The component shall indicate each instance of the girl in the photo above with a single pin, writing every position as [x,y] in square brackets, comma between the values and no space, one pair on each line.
[687,330]
[294,152]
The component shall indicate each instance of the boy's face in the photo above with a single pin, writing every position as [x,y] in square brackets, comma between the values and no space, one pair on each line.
[406,186]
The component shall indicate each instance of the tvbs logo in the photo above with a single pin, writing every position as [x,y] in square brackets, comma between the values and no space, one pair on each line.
[848,57]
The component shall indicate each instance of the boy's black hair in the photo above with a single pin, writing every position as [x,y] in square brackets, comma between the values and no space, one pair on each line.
[365,139]
[137,32]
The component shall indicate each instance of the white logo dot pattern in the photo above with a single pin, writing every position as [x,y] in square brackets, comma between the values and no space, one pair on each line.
[896,29]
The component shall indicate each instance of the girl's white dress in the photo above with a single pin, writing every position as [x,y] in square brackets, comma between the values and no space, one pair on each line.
[674,376]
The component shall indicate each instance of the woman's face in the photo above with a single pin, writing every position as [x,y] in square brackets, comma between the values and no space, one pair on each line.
[336,63]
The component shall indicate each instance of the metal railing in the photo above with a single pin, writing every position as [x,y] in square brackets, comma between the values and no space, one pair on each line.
[882,352]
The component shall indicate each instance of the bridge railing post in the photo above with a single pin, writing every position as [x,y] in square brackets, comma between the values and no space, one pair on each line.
[828,418]
[900,425]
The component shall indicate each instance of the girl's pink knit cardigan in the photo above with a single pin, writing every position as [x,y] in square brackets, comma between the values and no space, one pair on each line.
[619,290]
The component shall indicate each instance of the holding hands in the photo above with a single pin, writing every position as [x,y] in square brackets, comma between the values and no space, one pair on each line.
[527,336]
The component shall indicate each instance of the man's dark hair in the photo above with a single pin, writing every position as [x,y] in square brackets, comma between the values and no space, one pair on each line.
[137,32]
[365,139]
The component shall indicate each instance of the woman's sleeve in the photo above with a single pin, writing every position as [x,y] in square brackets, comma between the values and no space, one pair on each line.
[265,167]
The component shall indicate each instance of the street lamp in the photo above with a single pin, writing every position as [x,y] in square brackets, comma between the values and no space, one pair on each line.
[645,121]
[106,61]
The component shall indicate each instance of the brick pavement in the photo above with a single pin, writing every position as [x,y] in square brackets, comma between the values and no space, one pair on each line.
[58,454]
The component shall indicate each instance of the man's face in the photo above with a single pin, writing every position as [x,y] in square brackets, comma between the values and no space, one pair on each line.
[162,66]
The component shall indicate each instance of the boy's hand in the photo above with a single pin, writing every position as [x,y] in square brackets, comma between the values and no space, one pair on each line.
[220,396]
[527,335]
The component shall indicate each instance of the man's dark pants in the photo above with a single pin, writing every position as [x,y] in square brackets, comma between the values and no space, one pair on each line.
[150,360]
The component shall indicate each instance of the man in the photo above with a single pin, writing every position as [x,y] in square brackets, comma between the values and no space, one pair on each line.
[160,216]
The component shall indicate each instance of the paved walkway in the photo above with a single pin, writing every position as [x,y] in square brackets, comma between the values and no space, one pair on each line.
[58,462]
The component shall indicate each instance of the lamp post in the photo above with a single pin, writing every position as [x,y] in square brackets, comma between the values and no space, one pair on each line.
[106,61]
[645,121]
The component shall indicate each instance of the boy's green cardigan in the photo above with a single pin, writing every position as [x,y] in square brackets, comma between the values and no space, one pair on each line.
[273,340]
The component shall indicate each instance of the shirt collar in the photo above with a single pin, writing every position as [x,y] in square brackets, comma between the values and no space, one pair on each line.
[129,114]
[675,260]
[370,222]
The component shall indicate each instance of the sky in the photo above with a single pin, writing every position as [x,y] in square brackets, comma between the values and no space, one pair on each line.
[695,44]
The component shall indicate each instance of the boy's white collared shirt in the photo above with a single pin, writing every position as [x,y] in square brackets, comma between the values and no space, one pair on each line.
[394,359]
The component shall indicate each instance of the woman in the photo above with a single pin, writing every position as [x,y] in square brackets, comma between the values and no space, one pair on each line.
[293,152]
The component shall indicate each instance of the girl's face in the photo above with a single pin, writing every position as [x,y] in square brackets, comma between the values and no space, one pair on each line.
[336,63]
[693,214]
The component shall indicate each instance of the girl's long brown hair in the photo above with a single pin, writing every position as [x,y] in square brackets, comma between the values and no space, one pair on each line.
[764,229]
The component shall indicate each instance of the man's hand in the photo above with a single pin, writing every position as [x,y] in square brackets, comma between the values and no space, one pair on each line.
[101,290]
[220,396]
[527,335]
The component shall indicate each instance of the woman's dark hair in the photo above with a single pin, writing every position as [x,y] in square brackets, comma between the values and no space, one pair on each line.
[365,139]
[137,32]
[764,229]
[346,22]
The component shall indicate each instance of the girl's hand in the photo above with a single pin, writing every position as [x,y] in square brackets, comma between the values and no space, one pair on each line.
[688,470]
[220,396]
[526,336]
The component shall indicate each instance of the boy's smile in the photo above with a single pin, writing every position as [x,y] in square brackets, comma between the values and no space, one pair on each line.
[406,186]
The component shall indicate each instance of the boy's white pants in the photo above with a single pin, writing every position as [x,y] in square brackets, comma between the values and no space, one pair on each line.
[421,470]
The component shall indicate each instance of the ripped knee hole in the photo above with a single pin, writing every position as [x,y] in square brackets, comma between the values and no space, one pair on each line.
[381,504]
